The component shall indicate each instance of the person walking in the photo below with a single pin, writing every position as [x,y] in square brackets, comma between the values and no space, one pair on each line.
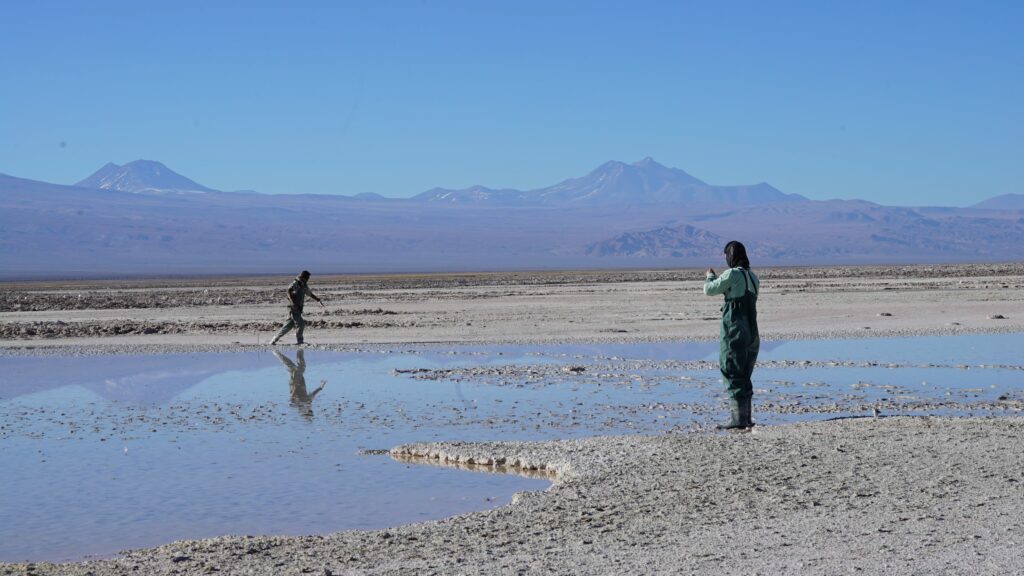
[740,340]
[297,292]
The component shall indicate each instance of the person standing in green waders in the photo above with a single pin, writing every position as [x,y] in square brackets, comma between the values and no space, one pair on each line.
[740,339]
[297,292]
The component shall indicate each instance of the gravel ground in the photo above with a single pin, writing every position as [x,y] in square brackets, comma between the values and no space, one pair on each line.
[855,496]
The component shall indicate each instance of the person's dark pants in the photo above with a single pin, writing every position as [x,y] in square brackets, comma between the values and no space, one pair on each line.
[294,321]
[740,344]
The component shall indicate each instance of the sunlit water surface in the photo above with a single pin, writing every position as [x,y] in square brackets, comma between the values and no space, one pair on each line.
[102,453]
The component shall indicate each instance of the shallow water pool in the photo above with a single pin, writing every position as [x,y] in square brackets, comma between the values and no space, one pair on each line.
[103,453]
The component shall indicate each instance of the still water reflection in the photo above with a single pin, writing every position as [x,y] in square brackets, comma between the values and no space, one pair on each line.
[301,400]
[106,453]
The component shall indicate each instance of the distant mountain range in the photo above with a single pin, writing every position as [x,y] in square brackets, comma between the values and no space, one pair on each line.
[144,219]
[613,183]
[141,176]
[683,241]
[1004,202]
[616,183]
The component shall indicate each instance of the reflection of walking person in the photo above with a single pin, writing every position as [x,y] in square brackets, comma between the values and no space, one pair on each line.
[297,292]
[740,338]
[300,398]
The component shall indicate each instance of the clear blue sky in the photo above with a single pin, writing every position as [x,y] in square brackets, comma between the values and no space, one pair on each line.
[898,102]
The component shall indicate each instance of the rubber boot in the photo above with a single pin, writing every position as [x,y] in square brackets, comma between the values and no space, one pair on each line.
[739,415]
[734,416]
[745,418]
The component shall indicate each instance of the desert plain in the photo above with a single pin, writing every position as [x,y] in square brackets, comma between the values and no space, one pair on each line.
[511,307]
[890,495]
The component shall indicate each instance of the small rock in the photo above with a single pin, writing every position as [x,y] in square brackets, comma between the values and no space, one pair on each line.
[884,314]
[996,317]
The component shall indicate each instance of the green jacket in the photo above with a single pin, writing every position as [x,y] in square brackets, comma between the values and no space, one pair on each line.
[298,292]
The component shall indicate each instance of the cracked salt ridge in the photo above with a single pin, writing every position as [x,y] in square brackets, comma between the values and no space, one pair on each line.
[475,457]
[537,371]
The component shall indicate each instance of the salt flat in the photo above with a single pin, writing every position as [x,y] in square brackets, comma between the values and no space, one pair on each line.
[901,495]
[519,307]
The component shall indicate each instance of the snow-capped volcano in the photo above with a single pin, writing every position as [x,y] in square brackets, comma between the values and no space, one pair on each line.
[141,176]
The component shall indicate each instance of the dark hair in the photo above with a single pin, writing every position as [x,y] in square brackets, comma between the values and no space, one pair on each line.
[304,274]
[736,255]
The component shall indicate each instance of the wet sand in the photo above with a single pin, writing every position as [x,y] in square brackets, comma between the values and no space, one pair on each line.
[866,496]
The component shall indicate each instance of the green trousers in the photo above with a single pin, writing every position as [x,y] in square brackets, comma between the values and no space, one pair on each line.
[739,345]
[294,320]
